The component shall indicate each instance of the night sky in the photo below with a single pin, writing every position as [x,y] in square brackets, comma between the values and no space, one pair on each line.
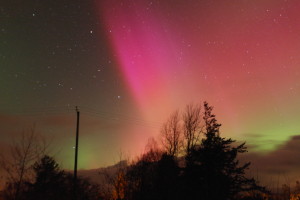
[128,64]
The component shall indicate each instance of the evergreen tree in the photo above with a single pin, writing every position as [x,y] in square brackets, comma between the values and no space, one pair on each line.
[50,181]
[53,183]
[212,169]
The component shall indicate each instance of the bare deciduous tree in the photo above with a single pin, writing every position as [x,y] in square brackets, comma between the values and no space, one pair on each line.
[114,180]
[192,127]
[171,135]
[17,163]
[152,151]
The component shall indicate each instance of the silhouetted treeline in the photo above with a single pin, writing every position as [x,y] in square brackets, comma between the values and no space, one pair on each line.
[191,168]
[192,161]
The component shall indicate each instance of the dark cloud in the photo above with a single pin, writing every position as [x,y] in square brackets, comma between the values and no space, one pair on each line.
[282,164]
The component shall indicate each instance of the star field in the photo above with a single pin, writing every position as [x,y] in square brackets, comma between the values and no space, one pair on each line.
[128,64]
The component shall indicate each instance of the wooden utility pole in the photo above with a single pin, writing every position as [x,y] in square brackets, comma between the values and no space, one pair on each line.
[76,153]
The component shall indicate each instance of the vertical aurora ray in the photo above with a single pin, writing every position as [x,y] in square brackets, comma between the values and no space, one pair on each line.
[144,51]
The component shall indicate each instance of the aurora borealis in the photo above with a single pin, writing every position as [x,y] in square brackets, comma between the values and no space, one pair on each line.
[128,64]
[241,56]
